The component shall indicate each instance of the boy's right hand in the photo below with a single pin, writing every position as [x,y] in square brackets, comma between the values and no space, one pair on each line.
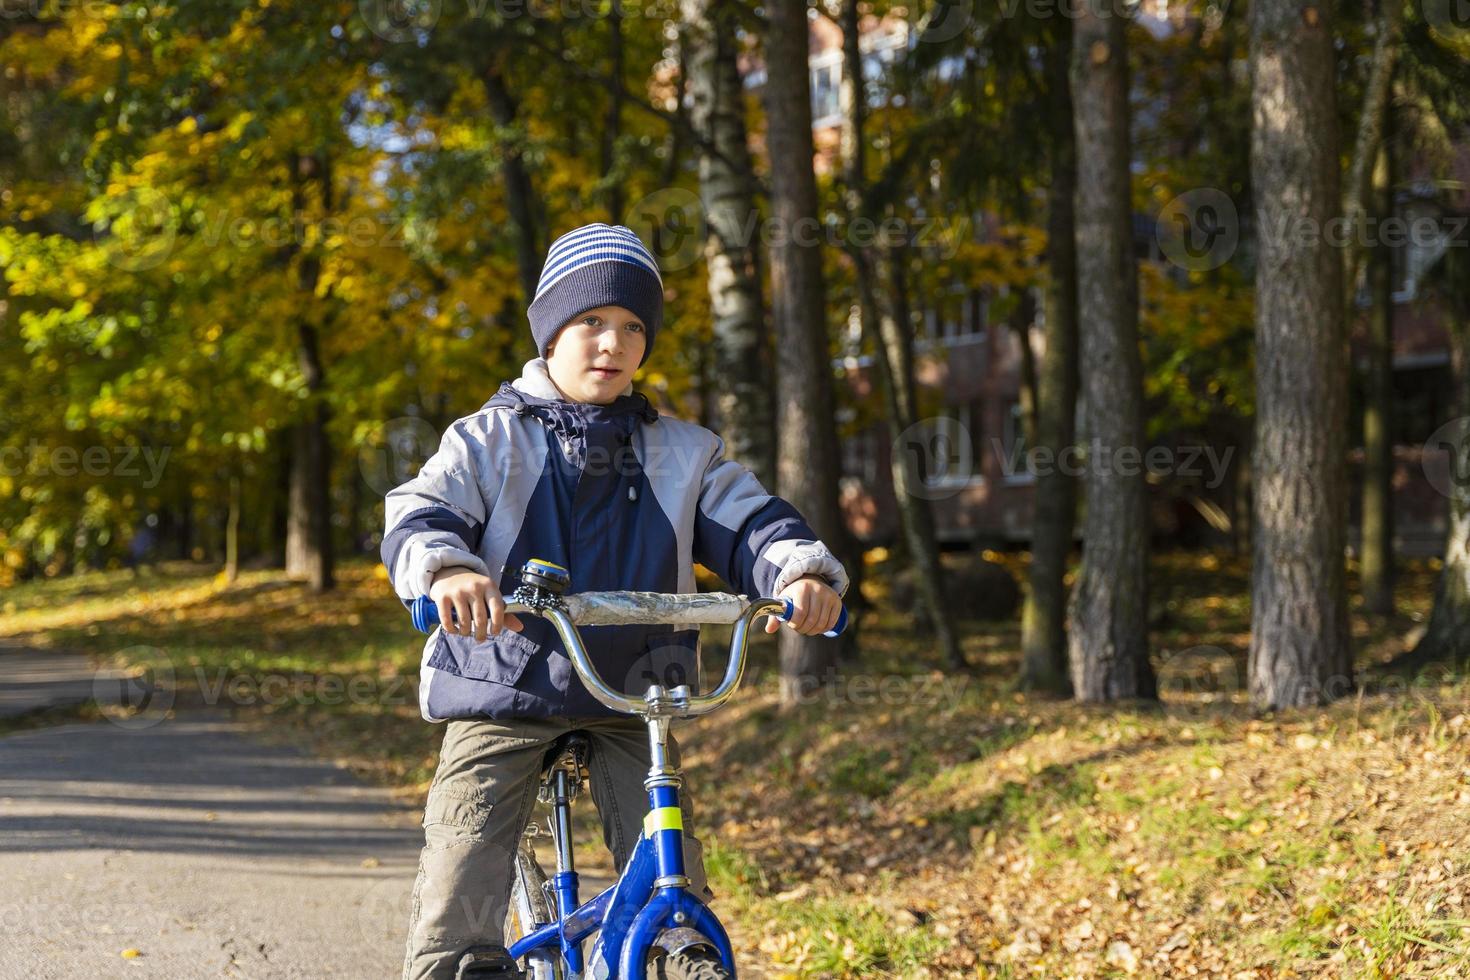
[469,601]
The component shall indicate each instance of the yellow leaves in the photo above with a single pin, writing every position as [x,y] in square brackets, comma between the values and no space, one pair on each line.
[131,954]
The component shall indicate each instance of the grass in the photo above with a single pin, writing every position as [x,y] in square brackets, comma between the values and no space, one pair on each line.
[922,824]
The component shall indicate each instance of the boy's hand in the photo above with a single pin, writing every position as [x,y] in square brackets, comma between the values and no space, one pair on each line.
[817,607]
[474,600]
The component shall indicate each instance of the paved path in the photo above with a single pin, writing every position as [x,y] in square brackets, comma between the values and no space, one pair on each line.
[210,853]
[33,680]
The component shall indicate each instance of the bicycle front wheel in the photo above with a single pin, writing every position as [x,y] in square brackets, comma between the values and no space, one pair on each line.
[698,964]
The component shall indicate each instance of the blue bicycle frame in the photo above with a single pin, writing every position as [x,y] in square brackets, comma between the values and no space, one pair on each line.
[649,899]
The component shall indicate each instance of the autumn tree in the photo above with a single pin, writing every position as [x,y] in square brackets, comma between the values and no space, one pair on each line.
[1300,650]
[1108,639]
[806,463]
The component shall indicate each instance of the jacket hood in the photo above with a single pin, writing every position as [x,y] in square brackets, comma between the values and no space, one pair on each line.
[535,389]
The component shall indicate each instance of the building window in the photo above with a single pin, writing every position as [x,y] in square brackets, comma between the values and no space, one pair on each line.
[826,86]
[1419,250]
[953,316]
[945,448]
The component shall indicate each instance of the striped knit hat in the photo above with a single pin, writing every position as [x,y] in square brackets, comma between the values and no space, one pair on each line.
[591,266]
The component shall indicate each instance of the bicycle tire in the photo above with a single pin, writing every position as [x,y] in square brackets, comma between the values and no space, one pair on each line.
[697,964]
[527,892]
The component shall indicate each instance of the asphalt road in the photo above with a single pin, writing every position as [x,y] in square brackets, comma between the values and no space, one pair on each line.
[207,852]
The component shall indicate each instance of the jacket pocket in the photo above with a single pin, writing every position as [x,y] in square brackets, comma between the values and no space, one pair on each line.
[501,658]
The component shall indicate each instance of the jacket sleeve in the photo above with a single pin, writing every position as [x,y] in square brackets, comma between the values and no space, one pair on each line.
[755,541]
[436,519]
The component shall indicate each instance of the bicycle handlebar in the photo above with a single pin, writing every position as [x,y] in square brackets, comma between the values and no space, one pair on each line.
[628,608]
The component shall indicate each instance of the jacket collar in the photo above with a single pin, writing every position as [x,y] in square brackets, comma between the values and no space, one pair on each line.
[534,388]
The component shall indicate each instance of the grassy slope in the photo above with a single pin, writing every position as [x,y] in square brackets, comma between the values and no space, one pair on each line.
[914,824]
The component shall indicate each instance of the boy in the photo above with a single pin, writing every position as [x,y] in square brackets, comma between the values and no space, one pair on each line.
[568,465]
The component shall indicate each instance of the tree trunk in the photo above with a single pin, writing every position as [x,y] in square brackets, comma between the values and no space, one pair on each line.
[1242,502]
[612,125]
[232,533]
[727,189]
[1371,126]
[1108,643]
[1029,396]
[186,526]
[1369,184]
[1376,569]
[806,464]
[309,524]
[519,194]
[1300,651]
[895,363]
[888,328]
[1044,614]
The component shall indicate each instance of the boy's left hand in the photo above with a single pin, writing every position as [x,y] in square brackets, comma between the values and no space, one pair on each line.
[817,606]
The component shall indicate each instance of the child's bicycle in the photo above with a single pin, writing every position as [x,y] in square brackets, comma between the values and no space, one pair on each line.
[648,925]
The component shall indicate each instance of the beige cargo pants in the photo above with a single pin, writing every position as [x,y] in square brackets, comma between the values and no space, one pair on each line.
[480,801]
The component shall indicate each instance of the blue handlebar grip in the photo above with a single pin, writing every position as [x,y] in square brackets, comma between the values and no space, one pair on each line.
[425,614]
[834,631]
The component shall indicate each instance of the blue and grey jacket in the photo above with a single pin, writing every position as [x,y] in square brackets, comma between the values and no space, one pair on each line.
[620,496]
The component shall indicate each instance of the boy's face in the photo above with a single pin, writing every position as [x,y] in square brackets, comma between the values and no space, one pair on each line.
[592,358]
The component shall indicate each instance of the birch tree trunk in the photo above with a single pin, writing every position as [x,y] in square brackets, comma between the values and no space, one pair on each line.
[1377,558]
[887,328]
[727,190]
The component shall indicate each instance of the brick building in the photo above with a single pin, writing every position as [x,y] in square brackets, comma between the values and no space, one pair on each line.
[970,366]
